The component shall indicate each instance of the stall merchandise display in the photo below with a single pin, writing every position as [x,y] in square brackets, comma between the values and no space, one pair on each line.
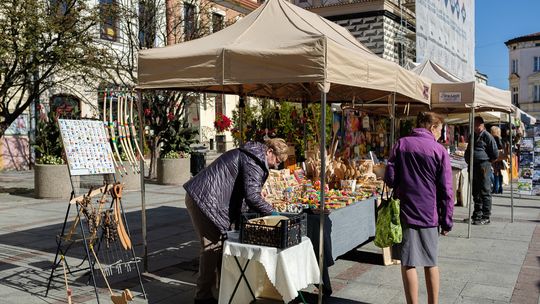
[364,133]
[530,172]
[293,192]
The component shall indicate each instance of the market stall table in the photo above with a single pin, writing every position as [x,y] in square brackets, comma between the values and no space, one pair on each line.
[460,181]
[251,271]
[344,230]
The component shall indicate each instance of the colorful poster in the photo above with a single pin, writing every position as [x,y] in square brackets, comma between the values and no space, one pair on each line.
[87,147]
[525,159]
[537,144]
[527,144]
[524,186]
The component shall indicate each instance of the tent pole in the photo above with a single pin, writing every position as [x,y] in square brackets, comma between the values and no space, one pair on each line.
[322,199]
[393,121]
[510,179]
[143,191]
[304,116]
[241,107]
[471,169]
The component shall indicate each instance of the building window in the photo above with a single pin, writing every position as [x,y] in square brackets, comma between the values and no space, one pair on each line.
[536,93]
[108,11]
[190,22]
[514,66]
[515,96]
[66,106]
[218,21]
[219,106]
[536,65]
[147,25]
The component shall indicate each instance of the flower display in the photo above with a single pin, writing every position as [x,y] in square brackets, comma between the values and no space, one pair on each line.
[222,123]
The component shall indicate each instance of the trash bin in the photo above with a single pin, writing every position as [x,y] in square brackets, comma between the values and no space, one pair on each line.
[198,160]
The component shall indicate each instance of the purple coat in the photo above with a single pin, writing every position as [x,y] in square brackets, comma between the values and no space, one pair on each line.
[419,171]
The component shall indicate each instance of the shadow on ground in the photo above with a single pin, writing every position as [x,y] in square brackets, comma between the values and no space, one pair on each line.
[18,191]
[171,241]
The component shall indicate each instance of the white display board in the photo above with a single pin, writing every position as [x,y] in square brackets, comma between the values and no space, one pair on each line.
[445,35]
[87,147]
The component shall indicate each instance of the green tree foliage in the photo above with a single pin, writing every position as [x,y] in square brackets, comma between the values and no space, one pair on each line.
[44,44]
[165,115]
[287,120]
[48,144]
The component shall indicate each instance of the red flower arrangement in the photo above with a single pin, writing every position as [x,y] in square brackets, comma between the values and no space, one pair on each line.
[222,123]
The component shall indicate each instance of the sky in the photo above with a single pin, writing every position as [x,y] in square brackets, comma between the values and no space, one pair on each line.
[497,21]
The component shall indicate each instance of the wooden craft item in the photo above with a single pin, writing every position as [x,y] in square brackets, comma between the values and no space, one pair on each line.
[113,136]
[106,124]
[127,135]
[126,295]
[122,134]
[133,130]
[102,201]
[116,193]
[91,193]
[68,290]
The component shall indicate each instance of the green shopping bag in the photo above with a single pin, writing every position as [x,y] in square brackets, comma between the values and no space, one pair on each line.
[388,227]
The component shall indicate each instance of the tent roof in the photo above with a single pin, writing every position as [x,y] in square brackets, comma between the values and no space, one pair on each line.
[526,118]
[451,95]
[435,72]
[281,51]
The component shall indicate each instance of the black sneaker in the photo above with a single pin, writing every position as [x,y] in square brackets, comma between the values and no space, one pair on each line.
[481,222]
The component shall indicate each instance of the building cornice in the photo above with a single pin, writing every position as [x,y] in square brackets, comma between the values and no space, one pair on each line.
[531,37]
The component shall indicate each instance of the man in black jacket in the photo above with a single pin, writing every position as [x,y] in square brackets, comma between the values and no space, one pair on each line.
[485,152]
[215,197]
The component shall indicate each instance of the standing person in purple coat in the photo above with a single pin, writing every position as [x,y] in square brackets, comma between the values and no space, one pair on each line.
[419,171]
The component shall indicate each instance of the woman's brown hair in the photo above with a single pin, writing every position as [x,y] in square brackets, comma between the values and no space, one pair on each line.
[427,119]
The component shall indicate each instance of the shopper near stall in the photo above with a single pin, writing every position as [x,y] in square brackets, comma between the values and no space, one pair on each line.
[485,152]
[215,198]
[497,165]
[420,173]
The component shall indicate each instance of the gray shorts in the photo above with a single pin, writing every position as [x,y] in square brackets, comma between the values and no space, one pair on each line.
[419,247]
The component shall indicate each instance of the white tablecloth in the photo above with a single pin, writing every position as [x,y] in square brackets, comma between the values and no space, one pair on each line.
[460,181]
[288,270]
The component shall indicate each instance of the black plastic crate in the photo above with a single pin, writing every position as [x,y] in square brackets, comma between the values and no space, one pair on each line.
[287,233]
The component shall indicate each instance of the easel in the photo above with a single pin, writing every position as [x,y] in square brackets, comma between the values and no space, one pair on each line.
[99,173]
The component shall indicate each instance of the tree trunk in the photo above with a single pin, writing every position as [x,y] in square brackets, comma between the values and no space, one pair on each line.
[154,154]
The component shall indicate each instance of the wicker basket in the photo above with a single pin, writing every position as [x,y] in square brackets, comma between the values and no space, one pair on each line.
[284,234]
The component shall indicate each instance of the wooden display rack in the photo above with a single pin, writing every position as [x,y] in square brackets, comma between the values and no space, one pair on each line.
[92,229]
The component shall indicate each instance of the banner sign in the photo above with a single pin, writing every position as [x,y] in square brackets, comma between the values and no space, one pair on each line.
[450,97]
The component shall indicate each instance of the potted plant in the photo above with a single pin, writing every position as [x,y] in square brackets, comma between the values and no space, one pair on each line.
[173,163]
[51,174]
[221,124]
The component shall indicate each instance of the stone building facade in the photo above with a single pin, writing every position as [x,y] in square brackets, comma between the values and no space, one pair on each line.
[524,72]
[386,27]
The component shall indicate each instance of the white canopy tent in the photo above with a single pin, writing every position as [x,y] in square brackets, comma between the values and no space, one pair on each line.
[283,52]
[280,51]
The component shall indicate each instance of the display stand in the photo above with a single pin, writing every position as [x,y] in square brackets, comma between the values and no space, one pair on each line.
[102,227]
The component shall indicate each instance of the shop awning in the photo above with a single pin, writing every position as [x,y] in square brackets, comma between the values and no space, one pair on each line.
[526,118]
[284,52]
[450,95]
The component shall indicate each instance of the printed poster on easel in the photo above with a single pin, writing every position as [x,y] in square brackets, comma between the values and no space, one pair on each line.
[526,166]
[87,148]
[536,166]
